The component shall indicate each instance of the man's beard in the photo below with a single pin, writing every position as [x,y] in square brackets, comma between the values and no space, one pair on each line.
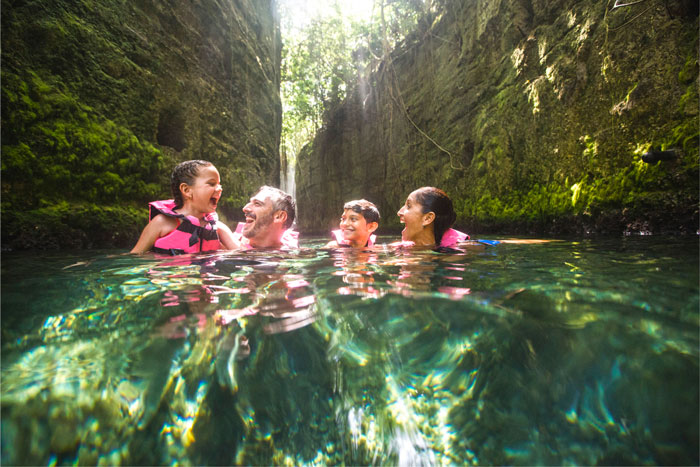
[260,224]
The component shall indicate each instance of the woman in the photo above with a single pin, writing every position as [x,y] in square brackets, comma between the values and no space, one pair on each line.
[428,216]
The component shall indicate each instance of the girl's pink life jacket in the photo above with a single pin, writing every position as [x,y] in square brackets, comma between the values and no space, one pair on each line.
[189,236]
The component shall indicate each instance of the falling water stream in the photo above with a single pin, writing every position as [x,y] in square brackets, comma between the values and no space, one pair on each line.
[287,178]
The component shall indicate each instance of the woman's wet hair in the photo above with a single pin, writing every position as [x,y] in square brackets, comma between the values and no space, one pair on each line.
[435,200]
[185,172]
[282,201]
[361,206]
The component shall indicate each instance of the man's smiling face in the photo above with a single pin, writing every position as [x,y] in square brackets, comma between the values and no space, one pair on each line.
[258,214]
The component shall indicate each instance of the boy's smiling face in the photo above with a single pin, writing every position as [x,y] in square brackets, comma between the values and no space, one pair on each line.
[356,230]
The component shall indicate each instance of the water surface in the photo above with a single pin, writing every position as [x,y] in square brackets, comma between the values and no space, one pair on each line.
[569,352]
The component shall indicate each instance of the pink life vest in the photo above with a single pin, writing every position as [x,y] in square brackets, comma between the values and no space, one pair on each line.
[452,236]
[189,236]
[290,238]
[338,234]
[449,238]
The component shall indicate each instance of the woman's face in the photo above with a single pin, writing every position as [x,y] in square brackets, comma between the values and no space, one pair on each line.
[411,215]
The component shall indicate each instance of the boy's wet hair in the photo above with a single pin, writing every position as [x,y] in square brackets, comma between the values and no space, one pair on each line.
[435,200]
[361,206]
[185,172]
[282,201]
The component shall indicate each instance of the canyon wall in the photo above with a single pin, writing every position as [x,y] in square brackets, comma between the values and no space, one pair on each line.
[100,99]
[533,116]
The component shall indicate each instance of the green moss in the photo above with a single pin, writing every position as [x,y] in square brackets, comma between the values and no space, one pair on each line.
[59,154]
[72,225]
[56,149]
[572,165]
[689,73]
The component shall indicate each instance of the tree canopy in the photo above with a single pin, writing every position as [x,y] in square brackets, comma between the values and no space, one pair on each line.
[331,51]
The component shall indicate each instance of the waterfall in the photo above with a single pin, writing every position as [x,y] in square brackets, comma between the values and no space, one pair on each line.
[287,178]
[287,181]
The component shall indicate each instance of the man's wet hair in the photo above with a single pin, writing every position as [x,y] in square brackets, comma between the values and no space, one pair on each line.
[361,206]
[281,201]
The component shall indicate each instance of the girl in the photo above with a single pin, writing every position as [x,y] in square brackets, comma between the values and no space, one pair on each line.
[428,216]
[188,223]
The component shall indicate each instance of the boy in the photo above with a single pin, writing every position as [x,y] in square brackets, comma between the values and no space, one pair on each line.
[360,218]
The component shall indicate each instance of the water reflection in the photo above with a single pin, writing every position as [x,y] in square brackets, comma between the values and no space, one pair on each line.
[541,354]
[354,266]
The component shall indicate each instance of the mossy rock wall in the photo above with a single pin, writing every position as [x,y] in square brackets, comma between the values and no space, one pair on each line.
[100,99]
[532,115]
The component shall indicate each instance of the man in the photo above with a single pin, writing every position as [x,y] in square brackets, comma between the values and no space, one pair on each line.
[268,216]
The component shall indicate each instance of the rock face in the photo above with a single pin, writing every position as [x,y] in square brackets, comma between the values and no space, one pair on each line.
[532,115]
[101,99]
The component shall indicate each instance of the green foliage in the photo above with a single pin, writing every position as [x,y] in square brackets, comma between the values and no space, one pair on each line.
[327,58]
[316,70]
[55,148]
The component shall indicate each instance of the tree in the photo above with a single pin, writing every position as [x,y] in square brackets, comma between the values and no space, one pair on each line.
[330,54]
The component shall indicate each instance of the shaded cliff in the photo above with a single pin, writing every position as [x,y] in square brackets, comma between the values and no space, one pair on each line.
[532,115]
[101,99]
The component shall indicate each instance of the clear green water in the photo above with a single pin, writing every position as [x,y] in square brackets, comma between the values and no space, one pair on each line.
[582,352]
